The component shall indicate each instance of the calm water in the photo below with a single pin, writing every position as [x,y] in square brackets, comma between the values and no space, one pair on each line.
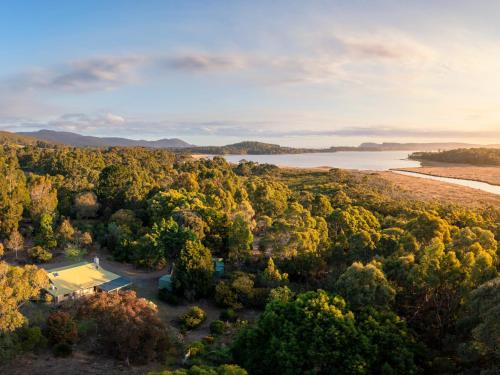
[363,160]
[472,184]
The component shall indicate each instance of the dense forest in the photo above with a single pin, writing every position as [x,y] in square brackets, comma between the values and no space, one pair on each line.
[474,156]
[346,275]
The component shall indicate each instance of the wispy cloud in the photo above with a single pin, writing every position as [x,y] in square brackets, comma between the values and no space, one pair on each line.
[334,58]
[202,62]
[78,76]
[110,124]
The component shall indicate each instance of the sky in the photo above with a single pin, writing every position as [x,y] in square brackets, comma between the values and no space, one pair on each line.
[296,73]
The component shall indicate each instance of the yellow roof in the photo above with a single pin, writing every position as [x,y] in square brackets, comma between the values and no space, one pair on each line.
[76,277]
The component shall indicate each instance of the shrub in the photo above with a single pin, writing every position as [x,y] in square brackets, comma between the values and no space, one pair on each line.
[85,326]
[31,339]
[259,297]
[236,292]
[281,293]
[62,350]
[196,348]
[61,328]
[129,327]
[208,340]
[228,315]
[39,255]
[167,296]
[205,370]
[217,327]
[193,318]
[74,253]
[225,296]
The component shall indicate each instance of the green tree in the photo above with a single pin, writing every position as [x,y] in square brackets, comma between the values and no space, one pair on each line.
[365,285]
[163,242]
[297,233]
[272,275]
[316,334]
[321,206]
[74,253]
[350,227]
[428,226]
[65,232]
[240,240]
[268,197]
[481,324]
[194,270]
[236,292]
[14,196]
[39,255]
[46,237]
[121,185]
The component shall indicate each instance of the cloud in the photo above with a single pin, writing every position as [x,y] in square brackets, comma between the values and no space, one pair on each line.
[334,58]
[79,76]
[110,124]
[74,122]
[388,46]
[200,62]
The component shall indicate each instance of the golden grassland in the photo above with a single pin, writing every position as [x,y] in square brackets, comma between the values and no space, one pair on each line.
[430,190]
[490,175]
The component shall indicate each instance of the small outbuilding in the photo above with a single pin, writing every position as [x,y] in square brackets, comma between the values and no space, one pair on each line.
[218,266]
[165,282]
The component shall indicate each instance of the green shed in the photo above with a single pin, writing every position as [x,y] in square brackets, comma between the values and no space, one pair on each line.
[165,282]
[218,266]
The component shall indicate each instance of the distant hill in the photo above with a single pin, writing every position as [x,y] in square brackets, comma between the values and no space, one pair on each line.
[14,138]
[387,146]
[78,140]
[248,148]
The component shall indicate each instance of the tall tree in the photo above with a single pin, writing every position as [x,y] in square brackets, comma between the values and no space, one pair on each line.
[240,240]
[43,196]
[194,270]
[15,242]
[14,195]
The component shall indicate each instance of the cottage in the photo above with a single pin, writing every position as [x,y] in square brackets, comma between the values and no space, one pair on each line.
[80,279]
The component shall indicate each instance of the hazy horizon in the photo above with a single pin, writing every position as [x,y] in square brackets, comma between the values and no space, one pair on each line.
[298,74]
[138,138]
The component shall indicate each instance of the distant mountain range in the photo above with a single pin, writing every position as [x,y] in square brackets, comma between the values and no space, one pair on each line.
[241,148]
[78,140]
